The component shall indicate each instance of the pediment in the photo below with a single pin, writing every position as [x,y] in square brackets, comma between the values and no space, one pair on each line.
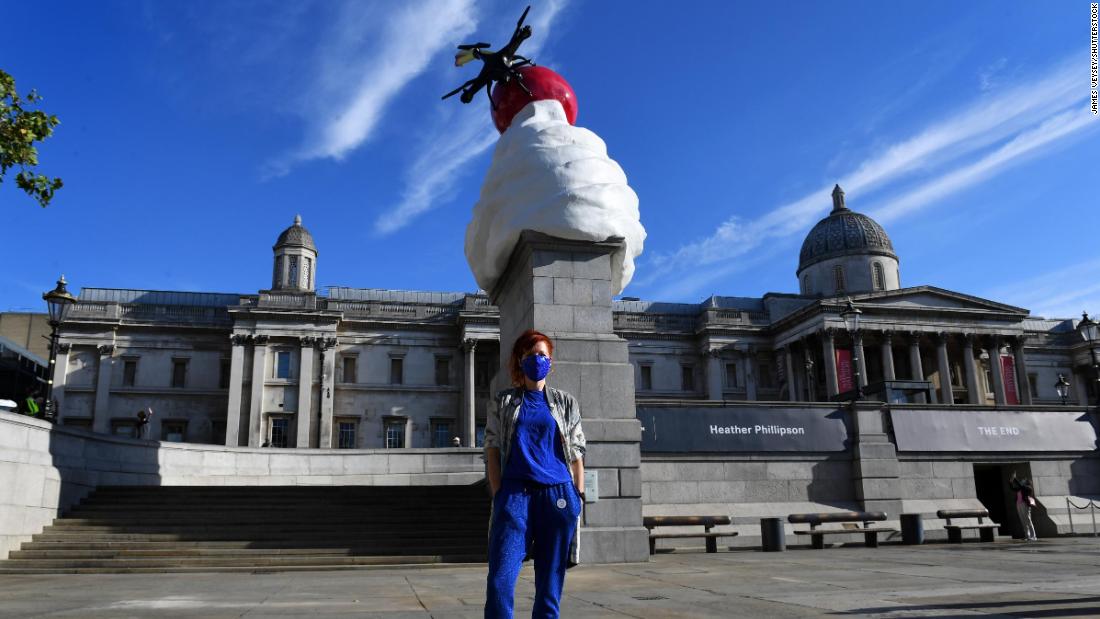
[932,298]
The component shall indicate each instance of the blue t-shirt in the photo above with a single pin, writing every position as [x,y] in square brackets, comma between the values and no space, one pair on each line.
[536,453]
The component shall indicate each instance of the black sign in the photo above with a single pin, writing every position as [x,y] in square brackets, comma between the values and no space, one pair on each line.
[686,429]
[967,430]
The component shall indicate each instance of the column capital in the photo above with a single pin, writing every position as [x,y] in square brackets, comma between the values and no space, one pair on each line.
[259,340]
[942,337]
[914,336]
[714,353]
[325,343]
[469,344]
[64,348]
[1019,341]
[887,336]
[106,349]
[968,339]
[829,332]
[239,339]
[308,341]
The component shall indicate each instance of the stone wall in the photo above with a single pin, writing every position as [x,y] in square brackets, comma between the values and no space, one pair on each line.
[46,469]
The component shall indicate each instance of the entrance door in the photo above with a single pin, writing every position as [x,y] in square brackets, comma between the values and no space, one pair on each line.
[991,482]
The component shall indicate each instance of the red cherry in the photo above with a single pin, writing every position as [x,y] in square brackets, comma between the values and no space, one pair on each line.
[543,83]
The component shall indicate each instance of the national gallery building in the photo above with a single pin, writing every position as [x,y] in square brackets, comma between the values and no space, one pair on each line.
[366,368]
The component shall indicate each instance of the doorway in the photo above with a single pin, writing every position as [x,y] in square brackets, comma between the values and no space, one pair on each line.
[991,483]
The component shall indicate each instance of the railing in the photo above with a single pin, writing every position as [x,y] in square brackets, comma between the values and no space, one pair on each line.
[654,322]
[401,311]
[1091,506]
[291,301]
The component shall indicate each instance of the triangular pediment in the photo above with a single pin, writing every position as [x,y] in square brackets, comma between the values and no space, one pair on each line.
[932,298]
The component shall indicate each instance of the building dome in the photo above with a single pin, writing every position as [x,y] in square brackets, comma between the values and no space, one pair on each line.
[296,236]
[844,233]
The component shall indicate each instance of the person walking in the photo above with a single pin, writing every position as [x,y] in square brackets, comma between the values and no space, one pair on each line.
[1025,500]
[534,450]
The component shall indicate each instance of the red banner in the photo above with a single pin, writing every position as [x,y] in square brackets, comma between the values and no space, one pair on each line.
[1008,371]
[844,370]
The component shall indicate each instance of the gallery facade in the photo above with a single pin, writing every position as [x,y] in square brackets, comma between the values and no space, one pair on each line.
[369,368]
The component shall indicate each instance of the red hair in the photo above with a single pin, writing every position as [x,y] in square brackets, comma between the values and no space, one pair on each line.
[524,343]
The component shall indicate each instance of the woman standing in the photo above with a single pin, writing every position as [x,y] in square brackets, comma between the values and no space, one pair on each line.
[1025,500]
[534,449]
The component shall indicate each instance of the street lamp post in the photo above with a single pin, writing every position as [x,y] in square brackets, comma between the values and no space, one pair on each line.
[1062,387]
[1090,332]
[58,301]
[850,315]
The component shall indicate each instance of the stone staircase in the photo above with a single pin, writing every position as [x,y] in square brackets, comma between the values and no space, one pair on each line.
[260,529]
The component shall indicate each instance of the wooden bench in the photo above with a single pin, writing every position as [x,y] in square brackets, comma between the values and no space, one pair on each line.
[954,531]
[850,521]
[707,522]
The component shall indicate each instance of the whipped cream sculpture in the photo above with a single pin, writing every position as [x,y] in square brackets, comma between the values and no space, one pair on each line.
[546,175]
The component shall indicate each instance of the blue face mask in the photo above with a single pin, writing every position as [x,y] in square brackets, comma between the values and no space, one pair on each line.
[536,367]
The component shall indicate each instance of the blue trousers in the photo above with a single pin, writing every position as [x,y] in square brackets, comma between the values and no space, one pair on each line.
[536,517]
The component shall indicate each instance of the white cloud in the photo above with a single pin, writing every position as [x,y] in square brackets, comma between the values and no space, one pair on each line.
[1028,117]
[370,53]
[1061,293]
[464,135]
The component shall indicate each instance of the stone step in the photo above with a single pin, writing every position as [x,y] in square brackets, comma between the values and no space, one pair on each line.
[455,561]
[296,538]
[335,541]
[230,520]
[388,549]
[196,562]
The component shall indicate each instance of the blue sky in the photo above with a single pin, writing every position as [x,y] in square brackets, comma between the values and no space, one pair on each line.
[192,133]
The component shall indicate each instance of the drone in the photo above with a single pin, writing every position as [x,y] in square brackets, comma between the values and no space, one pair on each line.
[499,66]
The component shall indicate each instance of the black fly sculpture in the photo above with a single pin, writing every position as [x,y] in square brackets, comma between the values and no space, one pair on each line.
[498,66]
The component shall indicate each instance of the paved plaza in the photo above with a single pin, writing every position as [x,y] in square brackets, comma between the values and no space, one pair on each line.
[1051,578]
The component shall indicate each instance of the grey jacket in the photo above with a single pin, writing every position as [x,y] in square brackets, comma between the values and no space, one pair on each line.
[500,426]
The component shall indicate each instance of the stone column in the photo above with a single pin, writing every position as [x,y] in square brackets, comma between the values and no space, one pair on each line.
[563,288]
[828,349]
[256,405]
[305,392]
[469,395]
[748,358]
[861,360]
[714,374]
[995,370]
[328,380]
[236,391]
[1023,384]
[946,396]
[792,392]
[60,376]
[888,356]
[974,395]
[916,366]
[101,415]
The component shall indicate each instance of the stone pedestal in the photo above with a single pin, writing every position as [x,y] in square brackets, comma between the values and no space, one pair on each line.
[875,465]
[563,288]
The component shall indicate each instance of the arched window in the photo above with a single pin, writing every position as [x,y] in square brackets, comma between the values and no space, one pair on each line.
[307,272]
[277,276]
[879,277]
[838,277]
[806,285]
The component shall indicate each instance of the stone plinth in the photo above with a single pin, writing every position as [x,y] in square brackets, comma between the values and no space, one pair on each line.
[563,288]
[875,461]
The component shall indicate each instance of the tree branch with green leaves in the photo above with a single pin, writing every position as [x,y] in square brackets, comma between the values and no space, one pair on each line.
[20,129]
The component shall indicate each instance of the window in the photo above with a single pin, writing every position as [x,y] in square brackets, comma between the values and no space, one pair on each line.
[397,371]
[346,432]
[279,434]
[764,376]
[1033,383]
[394,433]
[129,372]
[878,276]
[78,422]
[349,369]
[277,277]
[179,373]
[282,364]
[687,378]
[838,277]
[731,376]
[442,370]
[479,435]
[806,285]
[173,431]
[223,373]
[292,272]
[124,427]
[481,374]
[647,377]
[307,271]
[441,433]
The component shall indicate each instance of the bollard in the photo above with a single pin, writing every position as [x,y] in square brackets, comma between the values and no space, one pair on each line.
[771,535]
[912,529]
